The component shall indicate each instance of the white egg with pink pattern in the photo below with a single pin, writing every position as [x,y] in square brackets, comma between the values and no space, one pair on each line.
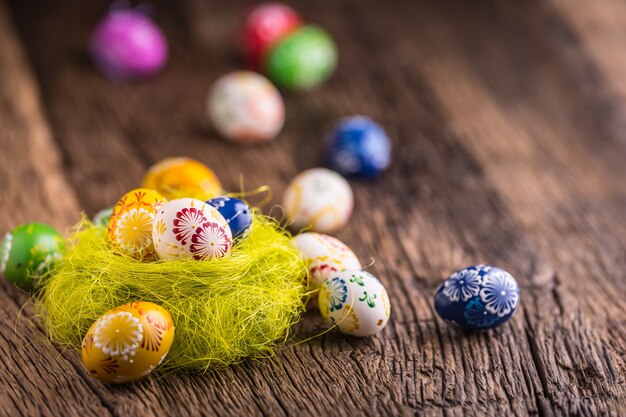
[190,228]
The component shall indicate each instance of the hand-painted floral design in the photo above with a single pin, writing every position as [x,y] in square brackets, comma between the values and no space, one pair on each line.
[338,293]
[5,251]
[187,221]
[210,241]
[477,315]
[462,285]
[349,323]
[134,230]
[118,334]
[358,279]
[499,293]
[324,302]
[386,304]
[369,299]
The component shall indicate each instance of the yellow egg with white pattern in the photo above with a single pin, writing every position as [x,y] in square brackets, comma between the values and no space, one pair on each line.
[128,342]
[130,226]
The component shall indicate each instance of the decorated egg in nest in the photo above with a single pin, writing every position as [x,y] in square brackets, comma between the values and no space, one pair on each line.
[320,199]
[130,226]
[128,342]
[127,44]
[356,302]
[324,256]
[478,297]
[358,146]
[236,212]
[245,107]
[182,177]
[186,228]
[265,25]
[28,252]
[302,60]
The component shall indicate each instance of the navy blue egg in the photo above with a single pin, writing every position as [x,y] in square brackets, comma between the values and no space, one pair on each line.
[478,297]
[358,146]
[237,214]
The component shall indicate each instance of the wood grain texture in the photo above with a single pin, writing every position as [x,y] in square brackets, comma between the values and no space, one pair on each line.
[508,132]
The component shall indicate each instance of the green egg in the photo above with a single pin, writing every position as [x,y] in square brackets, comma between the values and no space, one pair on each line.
[302,60]
[102,217]
[28,252]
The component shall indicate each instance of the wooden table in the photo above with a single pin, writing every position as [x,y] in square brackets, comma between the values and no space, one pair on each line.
[508,121]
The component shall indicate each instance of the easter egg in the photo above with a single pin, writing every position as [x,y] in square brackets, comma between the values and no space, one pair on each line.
[358,146]
[103,217]
[302,60]
[182,177]
[237,214]
[28,252]
[186,228]
[265,25]
[356,302]
[478,297]
[127,44]
[320,199]
[324,255]
[128,342]
[245,107]
[130,226]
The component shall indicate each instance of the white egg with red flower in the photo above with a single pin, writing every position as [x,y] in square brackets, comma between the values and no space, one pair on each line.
[190,228]
[324,255]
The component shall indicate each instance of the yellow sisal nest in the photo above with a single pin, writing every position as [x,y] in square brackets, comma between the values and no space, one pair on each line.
[224,310]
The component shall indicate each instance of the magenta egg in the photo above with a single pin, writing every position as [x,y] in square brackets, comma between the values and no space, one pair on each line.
[126,44]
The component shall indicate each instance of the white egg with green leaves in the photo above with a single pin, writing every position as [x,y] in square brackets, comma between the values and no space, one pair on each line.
[356,302]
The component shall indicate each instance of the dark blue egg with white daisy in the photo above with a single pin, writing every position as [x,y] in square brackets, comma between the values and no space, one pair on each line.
[237,214]
[358,146]
[478,297]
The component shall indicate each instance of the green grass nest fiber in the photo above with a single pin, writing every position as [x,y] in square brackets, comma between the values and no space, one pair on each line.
[224,310]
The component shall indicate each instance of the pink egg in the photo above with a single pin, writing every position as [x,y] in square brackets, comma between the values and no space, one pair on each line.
[127,44]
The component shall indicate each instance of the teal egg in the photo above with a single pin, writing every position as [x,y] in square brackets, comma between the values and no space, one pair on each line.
[302,60]
[28,252]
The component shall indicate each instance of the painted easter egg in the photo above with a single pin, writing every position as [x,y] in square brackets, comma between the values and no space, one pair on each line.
[358,146]
[302,60]
[126,44]
[478,297]
[320,199]
[324,256]
[28,252]
[130,226]
[103,217]
[237,214]
[128,342]
[186,228]
[182,177]
[265,25]
[245,107]
[356,302]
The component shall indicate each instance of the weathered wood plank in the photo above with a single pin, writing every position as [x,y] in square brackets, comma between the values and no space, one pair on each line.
[36,378]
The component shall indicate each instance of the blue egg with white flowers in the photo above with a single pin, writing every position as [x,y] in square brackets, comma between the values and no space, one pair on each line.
[237,214]
[478,297]
[359,147]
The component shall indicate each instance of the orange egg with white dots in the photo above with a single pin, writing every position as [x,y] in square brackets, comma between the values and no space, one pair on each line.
[128,342]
